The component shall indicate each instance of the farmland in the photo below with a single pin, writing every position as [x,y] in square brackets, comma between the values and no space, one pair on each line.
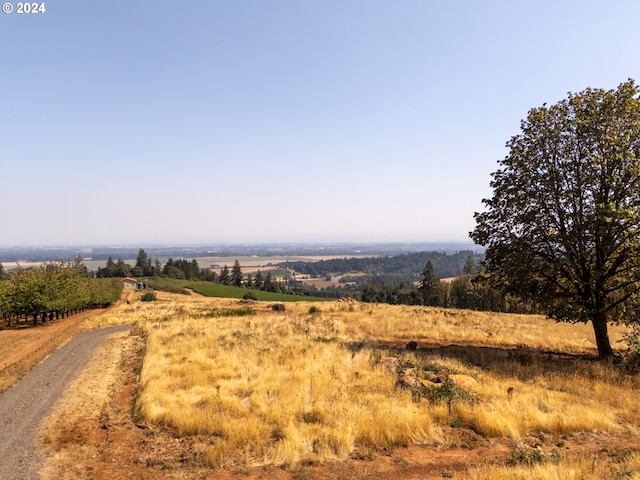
[224,388]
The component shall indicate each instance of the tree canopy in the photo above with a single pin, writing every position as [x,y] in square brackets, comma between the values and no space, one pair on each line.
[562,225]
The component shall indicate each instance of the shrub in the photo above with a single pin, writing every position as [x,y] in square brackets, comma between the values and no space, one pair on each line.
[531,456]
[148,297]
[250,295]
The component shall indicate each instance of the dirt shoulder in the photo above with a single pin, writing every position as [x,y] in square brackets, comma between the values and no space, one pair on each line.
[21,349]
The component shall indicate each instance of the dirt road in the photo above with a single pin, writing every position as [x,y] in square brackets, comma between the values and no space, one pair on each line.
[23,407]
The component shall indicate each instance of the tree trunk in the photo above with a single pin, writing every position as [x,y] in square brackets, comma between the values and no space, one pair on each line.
[600,329]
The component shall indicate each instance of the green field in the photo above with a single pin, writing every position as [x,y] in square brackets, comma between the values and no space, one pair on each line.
[216,290]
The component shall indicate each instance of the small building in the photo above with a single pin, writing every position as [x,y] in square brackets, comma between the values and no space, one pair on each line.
[129,283]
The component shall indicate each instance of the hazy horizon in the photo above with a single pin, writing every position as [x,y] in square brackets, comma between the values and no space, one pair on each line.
[312,242]
[316,244]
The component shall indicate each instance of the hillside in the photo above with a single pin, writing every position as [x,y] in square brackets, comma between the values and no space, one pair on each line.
[338,391]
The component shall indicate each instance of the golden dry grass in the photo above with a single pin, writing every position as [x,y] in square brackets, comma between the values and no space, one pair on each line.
[268,392]
[290,387]
[578,468]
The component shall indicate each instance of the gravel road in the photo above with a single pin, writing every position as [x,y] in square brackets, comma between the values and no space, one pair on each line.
[24,407]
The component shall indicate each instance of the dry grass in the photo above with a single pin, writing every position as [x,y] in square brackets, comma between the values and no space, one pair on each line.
[435,326]
[267,391]
[580,467]
[294,387]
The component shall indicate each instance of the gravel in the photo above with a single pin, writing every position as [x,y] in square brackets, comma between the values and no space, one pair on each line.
[26,405]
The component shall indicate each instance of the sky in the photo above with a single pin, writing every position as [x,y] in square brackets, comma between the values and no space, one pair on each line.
[253,121]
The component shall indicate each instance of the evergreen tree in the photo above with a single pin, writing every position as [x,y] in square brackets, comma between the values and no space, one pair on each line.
[195,270]
[430,287]
[258,281]
[111,267]
[225,277]
[157,268]
[268,284]
[470,266]
[167,266]
[143,266]
[236,274]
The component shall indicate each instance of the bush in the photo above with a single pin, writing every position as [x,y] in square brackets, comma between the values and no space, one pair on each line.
[531,456]
[313,309]
[148,297]
[250,295]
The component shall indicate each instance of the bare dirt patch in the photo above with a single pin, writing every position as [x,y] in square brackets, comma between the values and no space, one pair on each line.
[21,349]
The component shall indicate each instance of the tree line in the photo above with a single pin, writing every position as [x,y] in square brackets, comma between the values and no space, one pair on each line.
[400,279]
[53,291]
[395,280]
[146,266]
[184,269]
[407,266]
[59,289]
[468,290]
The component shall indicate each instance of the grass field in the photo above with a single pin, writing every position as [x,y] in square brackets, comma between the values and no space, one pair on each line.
[217,290]
[334,382]
[209,289]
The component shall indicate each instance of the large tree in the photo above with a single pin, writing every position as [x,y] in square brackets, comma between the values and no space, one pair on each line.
[563,224]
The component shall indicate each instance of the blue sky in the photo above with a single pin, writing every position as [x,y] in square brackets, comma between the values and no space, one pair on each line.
[145,122]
